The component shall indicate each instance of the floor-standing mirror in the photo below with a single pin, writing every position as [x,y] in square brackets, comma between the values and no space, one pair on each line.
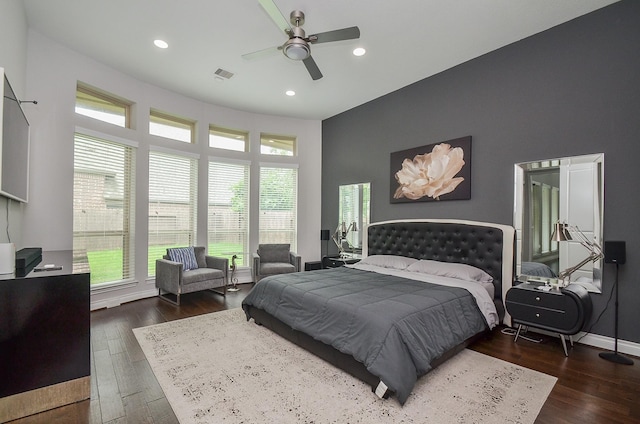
[568,190]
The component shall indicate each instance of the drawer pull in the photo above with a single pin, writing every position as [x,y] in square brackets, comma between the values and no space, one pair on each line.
[537,315]
[538,298]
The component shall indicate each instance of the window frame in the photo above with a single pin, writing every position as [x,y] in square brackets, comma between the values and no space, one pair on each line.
[110,101]
[229,133]
[283,143]
[178,123]
[243,231]
[127,234]
[293,228]
[192,214]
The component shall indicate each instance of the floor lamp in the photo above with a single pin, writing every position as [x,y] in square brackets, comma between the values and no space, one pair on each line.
[615,253]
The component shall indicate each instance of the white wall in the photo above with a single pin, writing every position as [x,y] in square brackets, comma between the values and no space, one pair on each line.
[52,73]
[13,58]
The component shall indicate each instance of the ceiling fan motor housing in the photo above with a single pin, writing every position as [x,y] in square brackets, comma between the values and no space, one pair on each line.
[296,47]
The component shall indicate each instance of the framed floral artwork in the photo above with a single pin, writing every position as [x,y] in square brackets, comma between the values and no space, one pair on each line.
[440,171]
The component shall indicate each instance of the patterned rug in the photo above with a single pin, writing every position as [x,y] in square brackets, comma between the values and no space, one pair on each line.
[219,368]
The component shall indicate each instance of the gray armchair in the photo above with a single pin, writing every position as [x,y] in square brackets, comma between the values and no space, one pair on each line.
[172,278]
[272,259]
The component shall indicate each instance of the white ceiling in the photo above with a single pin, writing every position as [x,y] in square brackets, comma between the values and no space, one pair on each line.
[406,41]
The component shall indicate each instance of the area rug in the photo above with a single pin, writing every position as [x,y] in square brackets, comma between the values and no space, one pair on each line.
[219,368]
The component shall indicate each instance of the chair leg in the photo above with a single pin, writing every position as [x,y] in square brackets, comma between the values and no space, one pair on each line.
[223,292]
[168,299]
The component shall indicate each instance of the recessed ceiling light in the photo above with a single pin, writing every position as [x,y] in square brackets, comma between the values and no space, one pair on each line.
[290,93]
[359,51]
[161,44]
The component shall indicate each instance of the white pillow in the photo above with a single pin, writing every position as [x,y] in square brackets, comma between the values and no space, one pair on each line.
[452,270]
[388,261]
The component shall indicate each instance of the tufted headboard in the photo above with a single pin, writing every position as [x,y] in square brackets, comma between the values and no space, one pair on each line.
[487,246]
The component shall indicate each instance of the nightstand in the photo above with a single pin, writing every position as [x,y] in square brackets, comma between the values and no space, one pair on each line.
[336,261]
[560,310]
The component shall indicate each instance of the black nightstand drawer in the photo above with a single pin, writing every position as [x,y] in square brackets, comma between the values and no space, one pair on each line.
[551,300]
[544,318]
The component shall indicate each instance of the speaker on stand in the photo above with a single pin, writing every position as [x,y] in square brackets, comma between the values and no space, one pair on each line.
[615,253]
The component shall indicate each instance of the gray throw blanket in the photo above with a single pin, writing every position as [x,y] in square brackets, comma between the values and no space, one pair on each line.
[395,326]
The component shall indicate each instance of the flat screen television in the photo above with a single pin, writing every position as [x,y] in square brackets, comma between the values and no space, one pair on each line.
[14,145]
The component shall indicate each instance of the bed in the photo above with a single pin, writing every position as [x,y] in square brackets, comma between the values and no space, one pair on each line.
[424,290]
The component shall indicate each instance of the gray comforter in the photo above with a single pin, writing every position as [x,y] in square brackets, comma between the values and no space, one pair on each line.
[395,326]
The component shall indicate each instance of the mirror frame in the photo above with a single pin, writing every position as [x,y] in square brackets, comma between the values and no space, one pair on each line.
[569,253]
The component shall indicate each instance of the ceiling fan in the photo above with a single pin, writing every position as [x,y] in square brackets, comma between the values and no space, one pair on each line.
[298,46]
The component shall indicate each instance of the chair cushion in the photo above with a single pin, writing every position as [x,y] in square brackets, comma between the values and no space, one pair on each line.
[201,274]
[185,255]
[200,256]
[274,252]
[272,268]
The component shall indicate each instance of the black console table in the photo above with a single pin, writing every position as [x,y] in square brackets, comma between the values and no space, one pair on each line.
[564,311]
[45,330]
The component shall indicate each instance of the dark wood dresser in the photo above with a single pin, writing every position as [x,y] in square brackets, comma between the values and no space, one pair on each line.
[45,331]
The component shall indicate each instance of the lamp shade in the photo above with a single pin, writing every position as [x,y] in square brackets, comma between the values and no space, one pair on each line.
[560,232]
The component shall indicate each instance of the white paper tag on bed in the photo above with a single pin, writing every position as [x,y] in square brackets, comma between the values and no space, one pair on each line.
[381,389]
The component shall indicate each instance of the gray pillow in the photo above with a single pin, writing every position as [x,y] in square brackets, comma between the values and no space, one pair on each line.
[274,252]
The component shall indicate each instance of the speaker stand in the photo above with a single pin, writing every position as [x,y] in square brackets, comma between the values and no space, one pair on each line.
[615,356]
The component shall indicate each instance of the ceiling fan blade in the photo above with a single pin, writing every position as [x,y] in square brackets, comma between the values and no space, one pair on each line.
[313,69]
[335,35]
[261,53]
[276,16]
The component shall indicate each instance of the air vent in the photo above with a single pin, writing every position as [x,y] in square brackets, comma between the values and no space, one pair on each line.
[224,74]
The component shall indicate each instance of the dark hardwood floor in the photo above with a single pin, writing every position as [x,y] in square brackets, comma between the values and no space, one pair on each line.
[124,389]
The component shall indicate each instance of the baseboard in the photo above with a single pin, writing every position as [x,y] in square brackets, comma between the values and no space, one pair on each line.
[113,301]
[602,342]
[608,343]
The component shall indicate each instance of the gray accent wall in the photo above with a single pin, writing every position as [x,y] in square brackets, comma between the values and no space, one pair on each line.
[571,90]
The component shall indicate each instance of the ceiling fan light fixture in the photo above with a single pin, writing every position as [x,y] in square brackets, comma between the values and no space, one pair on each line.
[296,49]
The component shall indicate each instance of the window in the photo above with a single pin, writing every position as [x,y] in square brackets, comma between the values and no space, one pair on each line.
[278,145]
[172,203]
[164,125]
[278,205]
[228,211]
[103,207]
[105,107]
[545,210]
[222,138]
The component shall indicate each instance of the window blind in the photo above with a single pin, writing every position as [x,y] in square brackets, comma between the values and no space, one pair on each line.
[103,207]
[172,203]
[278,205]
[228,210]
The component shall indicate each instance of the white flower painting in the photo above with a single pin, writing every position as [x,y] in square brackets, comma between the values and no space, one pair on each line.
[428,173]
